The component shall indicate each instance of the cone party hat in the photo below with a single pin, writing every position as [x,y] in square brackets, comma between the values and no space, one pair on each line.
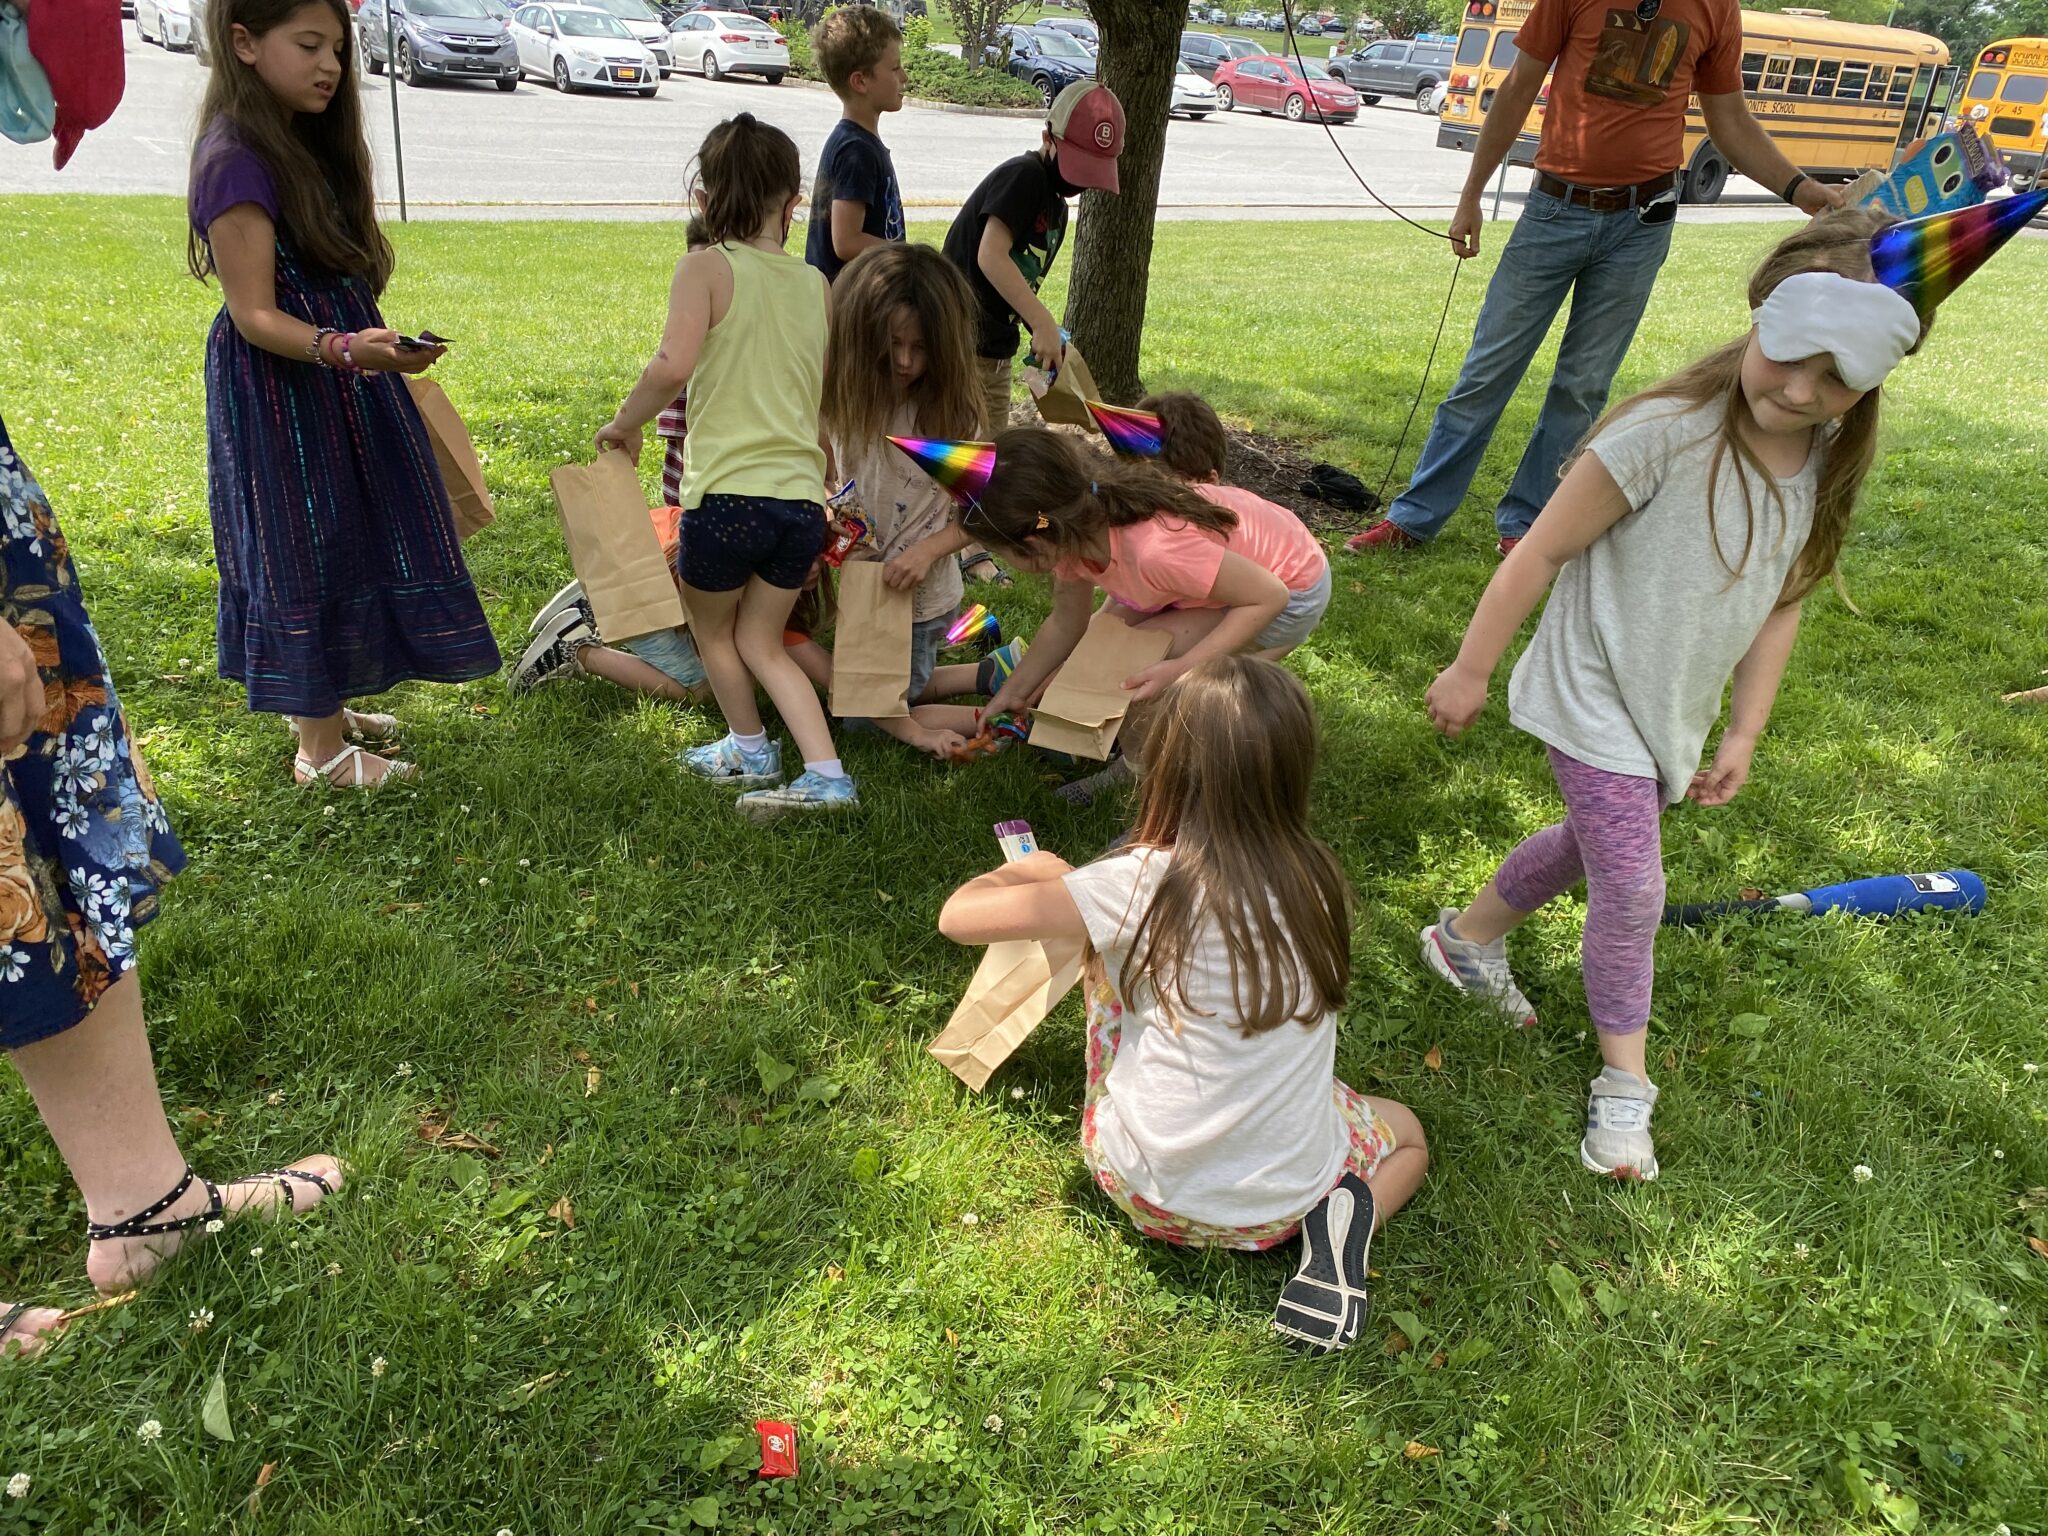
[962,470]
[1928,259]
[1140,434]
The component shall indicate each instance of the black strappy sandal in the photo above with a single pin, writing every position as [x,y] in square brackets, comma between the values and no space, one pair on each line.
[144,1224]
[995,576]
[8,1319]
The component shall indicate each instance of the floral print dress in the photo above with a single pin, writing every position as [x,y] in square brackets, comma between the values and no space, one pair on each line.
[84,845]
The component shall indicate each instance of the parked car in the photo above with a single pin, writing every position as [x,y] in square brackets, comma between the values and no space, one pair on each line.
[1217,16]
[729,43]
[582,48]
[1078,27]
[1411,70]
[1272,84]
[438,40]
[1249,19]
[644,22]
[1045,59]
[1243,47]
[167,23]
[1192,95]
[1202,52]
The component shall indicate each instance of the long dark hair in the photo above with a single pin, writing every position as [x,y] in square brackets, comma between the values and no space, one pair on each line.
[319,161]
[1838,242]
[746,171]
[860,385]
[1046,485]
[1232,755]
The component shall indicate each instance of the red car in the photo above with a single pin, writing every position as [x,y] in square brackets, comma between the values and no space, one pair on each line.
[1267,83]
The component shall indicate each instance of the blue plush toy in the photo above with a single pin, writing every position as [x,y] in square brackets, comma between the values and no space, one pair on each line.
[1941,173]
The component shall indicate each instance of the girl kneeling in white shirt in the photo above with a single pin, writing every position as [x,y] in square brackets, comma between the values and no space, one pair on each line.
[1221,939]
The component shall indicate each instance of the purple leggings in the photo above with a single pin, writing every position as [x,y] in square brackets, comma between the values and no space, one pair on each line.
[1608,839]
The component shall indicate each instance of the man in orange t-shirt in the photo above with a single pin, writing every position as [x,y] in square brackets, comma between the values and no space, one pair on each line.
[1597,226]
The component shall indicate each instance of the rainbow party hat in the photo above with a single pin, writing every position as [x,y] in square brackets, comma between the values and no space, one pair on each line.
[1928,259]
[1140,434]
[961,469]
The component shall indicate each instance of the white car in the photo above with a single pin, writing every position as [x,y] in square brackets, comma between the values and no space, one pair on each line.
[582,48]
[722,43]
[1192,95]
[167,23]
[646,25]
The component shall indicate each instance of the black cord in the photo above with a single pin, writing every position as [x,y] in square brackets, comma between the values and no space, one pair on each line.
[1294,46]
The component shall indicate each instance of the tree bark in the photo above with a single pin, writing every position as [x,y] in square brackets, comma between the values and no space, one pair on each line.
[1113,249]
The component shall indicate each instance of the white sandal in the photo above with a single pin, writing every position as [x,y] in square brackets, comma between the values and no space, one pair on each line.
[345,770]
[377,733]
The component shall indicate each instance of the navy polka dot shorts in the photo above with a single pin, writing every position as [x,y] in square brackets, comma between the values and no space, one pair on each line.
[728,539]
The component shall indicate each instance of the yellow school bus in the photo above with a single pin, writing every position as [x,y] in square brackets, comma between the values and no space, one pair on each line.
[1839,98]
[2004,98]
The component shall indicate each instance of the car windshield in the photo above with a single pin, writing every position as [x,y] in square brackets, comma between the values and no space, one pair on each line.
[591,24]
[1059,45]
[627,10]
[1313,70]
[465,10]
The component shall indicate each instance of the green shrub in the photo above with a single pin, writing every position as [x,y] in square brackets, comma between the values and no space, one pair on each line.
[940,77]
[917,34]
[802,63]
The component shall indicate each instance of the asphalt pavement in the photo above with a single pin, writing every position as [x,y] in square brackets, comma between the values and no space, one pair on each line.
[474,152]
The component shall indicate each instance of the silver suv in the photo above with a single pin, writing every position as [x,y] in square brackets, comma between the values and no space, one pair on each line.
[1407,69]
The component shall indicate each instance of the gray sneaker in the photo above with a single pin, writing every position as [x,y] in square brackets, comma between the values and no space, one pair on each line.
[1618,1127]
[1478,970]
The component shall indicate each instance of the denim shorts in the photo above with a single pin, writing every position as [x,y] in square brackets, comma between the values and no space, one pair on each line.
[1298,620]
[925,640]
[729,539]
[673,652]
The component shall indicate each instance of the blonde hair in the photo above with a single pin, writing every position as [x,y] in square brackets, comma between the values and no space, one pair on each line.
[1837,241]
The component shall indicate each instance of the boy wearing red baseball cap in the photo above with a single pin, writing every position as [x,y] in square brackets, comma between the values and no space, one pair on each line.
[1012,226]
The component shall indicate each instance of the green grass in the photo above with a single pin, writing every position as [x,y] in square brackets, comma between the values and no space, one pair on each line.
[1755,1342]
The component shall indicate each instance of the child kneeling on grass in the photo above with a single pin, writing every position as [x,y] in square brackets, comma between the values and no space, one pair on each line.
[1221,939]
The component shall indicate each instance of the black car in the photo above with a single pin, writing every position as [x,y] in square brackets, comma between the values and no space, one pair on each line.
[1041,57]
[1202,53]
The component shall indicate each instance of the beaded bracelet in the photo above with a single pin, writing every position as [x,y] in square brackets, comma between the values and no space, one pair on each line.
[348,361]
[316,349]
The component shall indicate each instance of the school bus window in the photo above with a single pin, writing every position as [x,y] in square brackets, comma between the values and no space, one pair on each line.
[1802,77]
[1824,77]
[1983,84]
[1504,51]
[1752,70]
[1880,82]
[2024,90]
[1854,76]
[1472,45]
[1902,85]
[1775,71]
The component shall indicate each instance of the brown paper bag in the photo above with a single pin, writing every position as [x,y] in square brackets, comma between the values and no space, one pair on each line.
[870,645]
[1084,706]
[455,455]
[1018,983]
[1063,399]
[613,546]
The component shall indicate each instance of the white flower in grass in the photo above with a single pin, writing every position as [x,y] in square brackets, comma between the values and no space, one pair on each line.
[377,1366]
[1801,1252]
[526,863]
[333,1270]
[215,1227]
[2001,1529]
[256,1252]
[201,1320]
[2031,1067]
[17,1486]
[993,1423]
[1861,1173]
[504,1530]
[275,1098]
[405,1069]
[483,879]
[1107,1384]
[1998,1154]
[970,1220]
[150,1431]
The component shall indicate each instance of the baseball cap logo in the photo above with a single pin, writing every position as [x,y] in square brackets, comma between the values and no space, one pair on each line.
[1105,135]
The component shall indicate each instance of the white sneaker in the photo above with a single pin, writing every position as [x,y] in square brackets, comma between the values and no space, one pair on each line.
[1617,1140]
[571,596]
[1478,970]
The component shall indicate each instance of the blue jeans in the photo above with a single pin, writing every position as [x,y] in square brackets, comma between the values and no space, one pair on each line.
[1608,263]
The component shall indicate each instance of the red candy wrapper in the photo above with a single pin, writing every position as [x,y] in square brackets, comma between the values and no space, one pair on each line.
[836,552]
[778,1447]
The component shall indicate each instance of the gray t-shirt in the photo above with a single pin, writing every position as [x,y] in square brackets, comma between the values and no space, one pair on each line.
[1629,663]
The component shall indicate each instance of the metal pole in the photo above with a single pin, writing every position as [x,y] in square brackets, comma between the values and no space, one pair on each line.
[1500,183]
[391,74]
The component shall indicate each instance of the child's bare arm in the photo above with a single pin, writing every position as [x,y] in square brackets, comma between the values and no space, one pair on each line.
[849,238]
[1072,607]
[993,257]
[692,296]
[915,563]
[1024,900]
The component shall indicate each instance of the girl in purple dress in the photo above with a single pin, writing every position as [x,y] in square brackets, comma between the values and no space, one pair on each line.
[340,574]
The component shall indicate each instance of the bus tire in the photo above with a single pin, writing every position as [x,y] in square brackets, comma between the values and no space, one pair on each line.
[1707,177]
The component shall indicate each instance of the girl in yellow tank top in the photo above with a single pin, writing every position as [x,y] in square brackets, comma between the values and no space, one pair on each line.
[746,333]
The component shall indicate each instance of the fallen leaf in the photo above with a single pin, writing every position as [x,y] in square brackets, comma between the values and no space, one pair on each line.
[883,895]
[581,1058]
[1433,1058]
[590,1081]
[952,1338]
[262,1482]
[633,987]
[213,1413]
[1398,1343]
[462,1141]
[1436,1361]
[1671,1061]
[526,1392]
[546,1154]
[1415,1450]
[2039,1245]
[564,1212]
[834,1272]
[590,1005]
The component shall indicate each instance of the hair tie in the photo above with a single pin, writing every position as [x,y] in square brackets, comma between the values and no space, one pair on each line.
[744,118]
[1094,489]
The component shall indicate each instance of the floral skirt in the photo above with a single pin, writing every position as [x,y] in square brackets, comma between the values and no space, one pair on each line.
[1372,1139]
[84,846]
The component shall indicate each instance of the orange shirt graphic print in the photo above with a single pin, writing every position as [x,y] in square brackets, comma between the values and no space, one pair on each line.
[1636,61]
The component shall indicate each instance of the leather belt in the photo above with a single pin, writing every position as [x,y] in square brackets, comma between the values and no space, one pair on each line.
[1606,199]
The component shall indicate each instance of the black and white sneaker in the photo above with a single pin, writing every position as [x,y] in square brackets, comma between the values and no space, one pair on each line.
[552,653]
[1323,1308]
[571,596]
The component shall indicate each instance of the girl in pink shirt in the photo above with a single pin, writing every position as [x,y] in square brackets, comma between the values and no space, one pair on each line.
[1218,578]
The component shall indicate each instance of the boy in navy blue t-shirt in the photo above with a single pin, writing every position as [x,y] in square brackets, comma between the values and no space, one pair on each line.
[855,202]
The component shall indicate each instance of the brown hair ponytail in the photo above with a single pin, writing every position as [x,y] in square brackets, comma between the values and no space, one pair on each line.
[1050,486]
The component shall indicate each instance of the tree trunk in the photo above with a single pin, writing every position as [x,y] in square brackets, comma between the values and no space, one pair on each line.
[1113,250]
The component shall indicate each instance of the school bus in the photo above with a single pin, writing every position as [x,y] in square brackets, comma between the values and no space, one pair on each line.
[2004,100]
[1839,98]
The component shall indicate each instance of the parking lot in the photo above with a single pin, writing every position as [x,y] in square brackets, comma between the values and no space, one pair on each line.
[473,152]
